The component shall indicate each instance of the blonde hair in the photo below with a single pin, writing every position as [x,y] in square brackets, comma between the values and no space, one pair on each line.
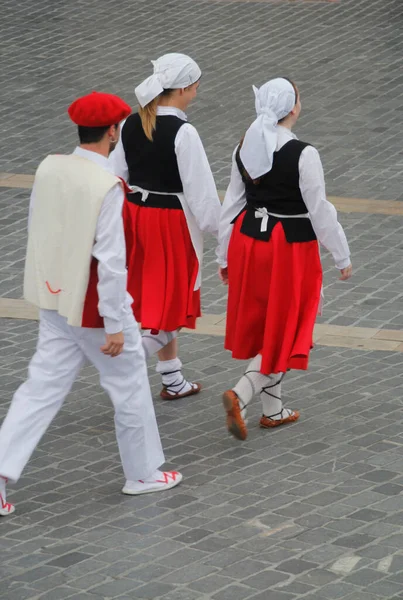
[148,114]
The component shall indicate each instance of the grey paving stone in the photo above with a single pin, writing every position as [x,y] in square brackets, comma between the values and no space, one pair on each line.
[183,558]
[318,577]
[189,574]
[389,489]
[397,577]
[297,588]
[312,448]
[274,595]
[154,590]
[395,541]
[356,540]
[21,594]
[210,584]
[85,596]
[246,567]
[226,557]
[368,514]
[265,579]
[384,588]
[376,552]
[361,596]
[233,592]
[122,567]
[333,591]
[59,592]
[68,559]
[115,588]
[88,581]
[180,594]
[364,577]
[35,574]
[379,476]
[213,544]
[192,536]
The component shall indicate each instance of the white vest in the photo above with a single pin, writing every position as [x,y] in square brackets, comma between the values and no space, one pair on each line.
[69,192]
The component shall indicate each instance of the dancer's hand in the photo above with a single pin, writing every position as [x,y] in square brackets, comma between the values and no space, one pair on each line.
[223,274]
[114,344]
[346,273]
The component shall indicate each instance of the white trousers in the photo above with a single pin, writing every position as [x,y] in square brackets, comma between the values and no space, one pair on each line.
[61,352]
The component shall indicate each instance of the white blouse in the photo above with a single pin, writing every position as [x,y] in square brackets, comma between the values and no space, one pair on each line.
[322,213]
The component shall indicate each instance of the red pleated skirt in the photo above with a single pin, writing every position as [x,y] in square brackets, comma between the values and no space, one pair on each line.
[273,298]
[162,268]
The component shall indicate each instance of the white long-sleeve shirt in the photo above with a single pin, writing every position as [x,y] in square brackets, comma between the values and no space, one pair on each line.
[322,213]
[199,199]
[110,251]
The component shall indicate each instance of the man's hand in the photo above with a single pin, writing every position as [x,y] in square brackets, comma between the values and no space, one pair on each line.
[114,344]
[346,273]
[223,274]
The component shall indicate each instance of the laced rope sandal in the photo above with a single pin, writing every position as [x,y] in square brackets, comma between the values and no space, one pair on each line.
[267,422]
[233,407]
[174,391]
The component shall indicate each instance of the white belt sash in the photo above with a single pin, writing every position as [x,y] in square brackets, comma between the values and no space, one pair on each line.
[145,193]
[264,214]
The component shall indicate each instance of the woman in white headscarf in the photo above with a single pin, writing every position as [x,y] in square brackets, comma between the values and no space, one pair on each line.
[275,211]
[173,202]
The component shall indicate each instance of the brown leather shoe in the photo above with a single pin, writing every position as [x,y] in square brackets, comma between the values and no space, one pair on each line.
[267,422]
[167,396]
[235,423]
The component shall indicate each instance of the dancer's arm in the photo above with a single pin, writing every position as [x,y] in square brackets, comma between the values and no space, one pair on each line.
[110,251]
[322,212]
[234,201]
[117,159]
[197,179]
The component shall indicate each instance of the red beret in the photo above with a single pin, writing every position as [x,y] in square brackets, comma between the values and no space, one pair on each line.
[98,110]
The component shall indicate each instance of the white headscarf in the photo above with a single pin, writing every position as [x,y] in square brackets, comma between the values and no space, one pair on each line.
[273,101]
[171,72]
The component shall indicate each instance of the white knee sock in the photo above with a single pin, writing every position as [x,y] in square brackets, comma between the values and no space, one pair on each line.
[154,343]
[270,396]
[250,383]
[172,378]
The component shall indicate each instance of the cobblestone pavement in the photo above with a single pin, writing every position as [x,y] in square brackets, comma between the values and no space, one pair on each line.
[346,57]
[311,511]
[314,510]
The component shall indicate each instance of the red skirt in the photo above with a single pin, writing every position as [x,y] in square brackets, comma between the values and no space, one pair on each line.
[162,268]
[274,293]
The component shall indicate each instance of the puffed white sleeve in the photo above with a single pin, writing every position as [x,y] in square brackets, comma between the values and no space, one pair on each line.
[322,212]
[117,159]
[110,251]
[197,179]
[234,202]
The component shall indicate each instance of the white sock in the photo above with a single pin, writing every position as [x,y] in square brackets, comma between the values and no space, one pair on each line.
[251,381]
[153,343]
[250,384]
[172,378]
[270,396]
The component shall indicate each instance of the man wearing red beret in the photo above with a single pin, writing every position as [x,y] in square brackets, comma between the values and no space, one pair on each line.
[75,273]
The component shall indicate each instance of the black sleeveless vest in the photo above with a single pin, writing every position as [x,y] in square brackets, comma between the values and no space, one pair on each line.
[278,192]
[153,165]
